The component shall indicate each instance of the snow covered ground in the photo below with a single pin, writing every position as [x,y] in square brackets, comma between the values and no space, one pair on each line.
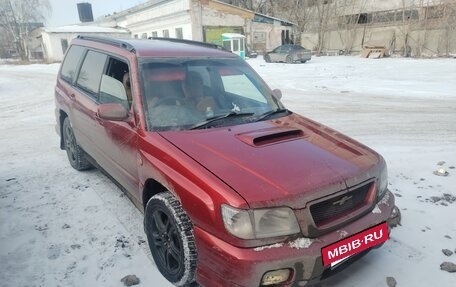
[60,227]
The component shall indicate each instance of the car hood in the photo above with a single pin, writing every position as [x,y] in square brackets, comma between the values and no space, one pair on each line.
[279,162]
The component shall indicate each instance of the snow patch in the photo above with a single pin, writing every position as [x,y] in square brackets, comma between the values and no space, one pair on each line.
[385,199]
[261,248]
[83,29]
[342,233]
[301,243]
[393,90]
[376,210]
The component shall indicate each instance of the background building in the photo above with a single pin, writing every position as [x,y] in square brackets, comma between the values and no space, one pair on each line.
[406,27]
[51,43]
[201,20]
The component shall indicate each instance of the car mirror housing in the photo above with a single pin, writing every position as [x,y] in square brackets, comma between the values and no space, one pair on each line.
[277,93]
[112,112]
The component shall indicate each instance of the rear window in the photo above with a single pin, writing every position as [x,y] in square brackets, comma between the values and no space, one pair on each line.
[70,64]
[90,75]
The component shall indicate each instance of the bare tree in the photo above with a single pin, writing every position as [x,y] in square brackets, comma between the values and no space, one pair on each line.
[16,19]
[297,11]
[253,5]
[323,11]
[448,19]
[350,17]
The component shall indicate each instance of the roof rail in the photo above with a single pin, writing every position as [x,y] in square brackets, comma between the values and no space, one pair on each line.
[191,42]
[109,41]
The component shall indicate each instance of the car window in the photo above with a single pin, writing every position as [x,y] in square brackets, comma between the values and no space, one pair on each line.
[285,49]
[277,50]
[70,64]
[241,85]
[183,92]
[91,71]
[112,91]
[115,84]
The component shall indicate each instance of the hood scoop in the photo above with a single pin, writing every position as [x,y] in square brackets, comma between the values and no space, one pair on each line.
[269,136]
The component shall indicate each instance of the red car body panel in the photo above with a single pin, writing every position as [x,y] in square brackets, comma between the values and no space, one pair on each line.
[245,267]
[278,170]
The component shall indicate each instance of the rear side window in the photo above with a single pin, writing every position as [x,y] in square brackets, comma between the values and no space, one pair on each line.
[90,75]
[70,64]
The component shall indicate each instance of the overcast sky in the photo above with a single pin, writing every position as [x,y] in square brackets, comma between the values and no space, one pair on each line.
[65,12]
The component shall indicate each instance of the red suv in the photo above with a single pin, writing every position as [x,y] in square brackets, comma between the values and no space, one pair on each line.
[236,189]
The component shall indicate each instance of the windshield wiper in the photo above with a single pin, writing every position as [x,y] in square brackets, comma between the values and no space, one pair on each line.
[271,112]
[219,117]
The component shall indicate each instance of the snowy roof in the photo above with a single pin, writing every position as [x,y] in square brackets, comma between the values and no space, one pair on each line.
[82,29]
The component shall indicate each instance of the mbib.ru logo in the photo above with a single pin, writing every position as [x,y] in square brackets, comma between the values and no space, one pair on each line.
[347,247]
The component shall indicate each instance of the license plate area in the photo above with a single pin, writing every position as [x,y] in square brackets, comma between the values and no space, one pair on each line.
[335,254]
[339,262]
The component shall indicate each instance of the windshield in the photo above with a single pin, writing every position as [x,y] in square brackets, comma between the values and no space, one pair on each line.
[181,94]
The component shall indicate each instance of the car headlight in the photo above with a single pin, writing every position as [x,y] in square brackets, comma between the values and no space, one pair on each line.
[382,182]
[259,223]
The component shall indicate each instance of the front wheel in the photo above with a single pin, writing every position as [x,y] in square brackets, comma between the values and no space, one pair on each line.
[267,58]
[76,156]
[171,241]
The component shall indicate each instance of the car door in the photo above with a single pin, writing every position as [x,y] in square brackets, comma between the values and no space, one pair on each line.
[111,143]
[118,140]
[284,52]
[84,103]
[275,54]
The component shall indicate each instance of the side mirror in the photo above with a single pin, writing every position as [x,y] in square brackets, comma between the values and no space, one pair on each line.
[112,112]
[112,89]
[277,93]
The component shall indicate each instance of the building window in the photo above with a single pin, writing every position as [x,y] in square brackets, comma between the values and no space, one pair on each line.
[165,33]
[64,43]
[154,34]
[227,45]
[364,18]
[236,45]
[179,33]
[144,36]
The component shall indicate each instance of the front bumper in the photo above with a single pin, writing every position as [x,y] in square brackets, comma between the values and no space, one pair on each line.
[222,264]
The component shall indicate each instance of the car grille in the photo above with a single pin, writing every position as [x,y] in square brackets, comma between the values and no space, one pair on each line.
[331,209]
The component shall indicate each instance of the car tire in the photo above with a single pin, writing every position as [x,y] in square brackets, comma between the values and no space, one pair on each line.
[76,155]
[289,59]
[303,61]
[171,240]
[267,59]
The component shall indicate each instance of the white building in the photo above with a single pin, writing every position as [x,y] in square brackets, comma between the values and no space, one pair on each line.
[201,20]
[51,43]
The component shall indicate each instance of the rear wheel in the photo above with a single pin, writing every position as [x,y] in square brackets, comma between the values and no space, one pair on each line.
[171,241]
[76,155]
[303,61]
[289,59]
